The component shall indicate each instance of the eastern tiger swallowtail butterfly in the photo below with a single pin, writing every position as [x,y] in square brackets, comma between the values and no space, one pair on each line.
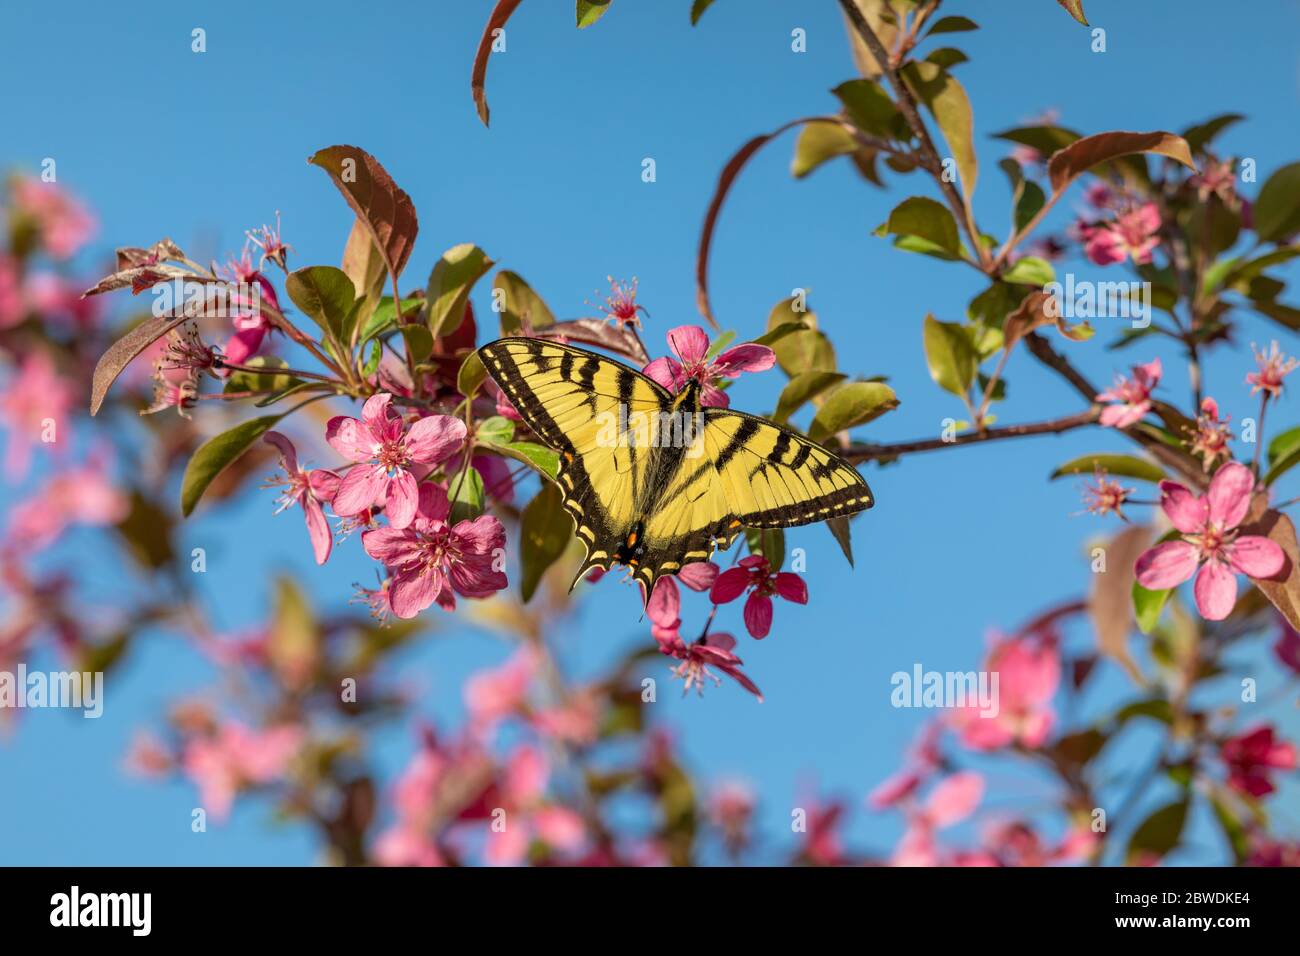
[654,480]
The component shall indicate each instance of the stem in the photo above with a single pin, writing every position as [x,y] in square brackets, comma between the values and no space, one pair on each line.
[277,318]
[859,453]
[908,106]
[300,373]
[1259,432]
[1009,246]
[992,384]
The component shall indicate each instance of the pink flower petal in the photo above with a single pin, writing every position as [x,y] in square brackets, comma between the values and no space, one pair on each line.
[1186,511]
[1215,590]
[791,587]
[1229,494]
[318,529]
[713,397]
[350,438]
[360,489]
[665,605]
[434,438]
[324,484]
[375,412]
[288,456]
[390,546]
[954,798]
[744,358]
[699,575]
[730,585]
[403,495]
[434,504]
[664,371]
[1166,565]
[412,592]
[721,640]
[758,615]
[1256,556]
[689,342]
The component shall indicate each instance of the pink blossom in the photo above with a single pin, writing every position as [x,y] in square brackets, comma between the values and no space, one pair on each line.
[527,815]
[1251,756]
[236,757]
[12,307]
[84,495]
[34,409]
[621,307]
[268,240]
[307,489]
[1131,234]
[148,757]
[1132,395]
[952,800]
[429,560]
[731,808]
[823,845]
[1104,496]
[1287,647]
[495,694]
[576,721]
[690,344]
[1273,368]
[755,575]
[665,604]
[711,650]
[1029,670]
[55,298]
[1210,541]
[65,225]
[384,449]
[1210,440]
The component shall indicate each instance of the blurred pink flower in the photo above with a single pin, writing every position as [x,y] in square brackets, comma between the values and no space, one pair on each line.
[1252,755]
[308,489]
[384,449]
[822,843]
[1210,440]
[1132,395]
[432,561]
[236,757]
[576,721]
[690,344]
[12,307]
[731,809]
[755,575]
[148,757]
[1210,541]
[1287,648]
[1273,368]
[37,398]
[55,298]
[83,495]
[492,695]
[1130,234]
[526,816]
[65,225]
[1029,670]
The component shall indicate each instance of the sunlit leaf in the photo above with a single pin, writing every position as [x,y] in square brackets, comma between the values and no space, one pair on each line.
[851,404]
[1127,466]
[949,355]
[450,282]
[1277,210]
[924,217]
[216,454]
[545,529]
[384,208]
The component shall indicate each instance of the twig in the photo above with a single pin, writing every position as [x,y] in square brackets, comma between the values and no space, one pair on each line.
[862,452]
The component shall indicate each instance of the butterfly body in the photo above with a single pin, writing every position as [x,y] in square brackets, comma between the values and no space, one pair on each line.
[654,480]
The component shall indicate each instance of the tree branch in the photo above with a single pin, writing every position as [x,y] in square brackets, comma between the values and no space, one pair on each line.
[863,452]
[911,112]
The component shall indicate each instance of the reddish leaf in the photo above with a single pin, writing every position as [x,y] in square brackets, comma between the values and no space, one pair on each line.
[1069,163]
[602,334]
[379,202]
[121,352]
[1110,604]
[1284,589]
[1075,9]
[500,14]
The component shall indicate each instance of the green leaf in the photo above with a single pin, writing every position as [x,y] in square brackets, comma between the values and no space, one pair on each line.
[325,294]
[589,11]
[296,389]
[947,101]
[376,354]
[1147,606]
[544,460]
[1029,200]
[839,527]
[1030,271]
[471,375]
[952,25]
[1232,829]
[1045,139]
[545,530]
[271,380]
[769,542]
[870,109]
[779,332]
[419,342]
[450,282]
[1283,444]
[1126,466]
[817,143]
[1277,210]
[498,429]
[718,344]
[949,355]
[946,57]
[925,218]
[1158,833]
[293,643]
[798,351]
[384,319]
[147,529]
[803,388]
[1200,135]
[849,405]
[520,303]
[698,8]
[466,493]
[214,455]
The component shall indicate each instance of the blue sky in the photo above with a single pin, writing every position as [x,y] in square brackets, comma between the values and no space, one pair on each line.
[163,141]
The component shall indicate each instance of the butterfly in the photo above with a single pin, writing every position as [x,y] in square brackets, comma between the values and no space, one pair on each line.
[654,480]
